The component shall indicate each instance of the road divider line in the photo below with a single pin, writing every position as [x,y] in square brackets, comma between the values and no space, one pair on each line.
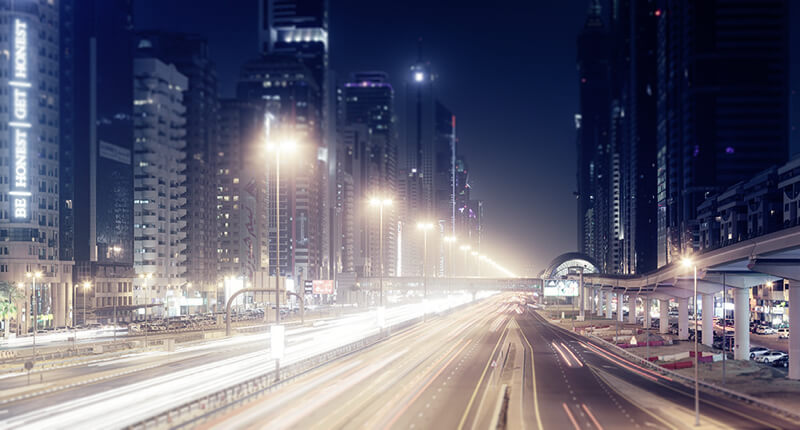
[480,380]
[591,417]
[571,417]
[533,377]
[572,354]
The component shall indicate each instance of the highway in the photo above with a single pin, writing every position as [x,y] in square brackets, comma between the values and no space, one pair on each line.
[125,390]
[433,375]
[438,375]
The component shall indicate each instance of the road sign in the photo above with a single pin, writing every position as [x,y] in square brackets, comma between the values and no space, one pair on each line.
[28,365]
[323,287]
[308,287]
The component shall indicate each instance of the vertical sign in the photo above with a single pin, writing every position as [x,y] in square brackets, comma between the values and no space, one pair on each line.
[20,123]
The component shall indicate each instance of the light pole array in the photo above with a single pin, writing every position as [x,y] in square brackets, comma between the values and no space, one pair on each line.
[687,263]
[380,203]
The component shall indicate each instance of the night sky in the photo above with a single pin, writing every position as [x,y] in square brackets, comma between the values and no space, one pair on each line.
[506,69]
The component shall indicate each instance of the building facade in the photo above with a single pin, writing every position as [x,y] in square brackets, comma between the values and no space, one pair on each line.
[159,181]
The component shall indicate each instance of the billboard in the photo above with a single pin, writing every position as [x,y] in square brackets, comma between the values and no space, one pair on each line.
[560,288]
[323,287]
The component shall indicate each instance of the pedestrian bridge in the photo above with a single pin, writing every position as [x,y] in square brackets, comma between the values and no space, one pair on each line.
[436,284]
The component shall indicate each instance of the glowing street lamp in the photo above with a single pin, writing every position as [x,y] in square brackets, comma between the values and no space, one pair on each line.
[380,203]
[425,227]
[687,262]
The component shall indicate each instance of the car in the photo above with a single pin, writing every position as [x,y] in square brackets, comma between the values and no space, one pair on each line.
[757,350]
[783,333]
[770,356]
[781,362]
[765,330]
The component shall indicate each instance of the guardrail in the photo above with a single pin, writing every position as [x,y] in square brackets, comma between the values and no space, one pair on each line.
[685,380]
[195,412]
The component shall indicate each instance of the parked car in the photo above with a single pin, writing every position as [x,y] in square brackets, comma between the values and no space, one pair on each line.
[765,330]
[770,356]
[783,333]
[757,350]
[781,362]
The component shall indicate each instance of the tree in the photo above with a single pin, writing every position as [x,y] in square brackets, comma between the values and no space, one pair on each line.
[9,295]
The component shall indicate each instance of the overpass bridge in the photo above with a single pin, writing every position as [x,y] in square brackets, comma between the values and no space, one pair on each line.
[737,267]
[439,284]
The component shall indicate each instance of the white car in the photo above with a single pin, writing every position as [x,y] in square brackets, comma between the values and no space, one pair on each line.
[757,351]
[765,330]
[770,356]
[783,333]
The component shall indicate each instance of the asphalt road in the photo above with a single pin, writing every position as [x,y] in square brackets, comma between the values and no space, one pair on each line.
[433,376]
[564,385]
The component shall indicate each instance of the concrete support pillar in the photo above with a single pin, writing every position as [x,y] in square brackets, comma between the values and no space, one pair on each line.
[741,322]
[647,306]
[608,305]
[663,322]
[600,297]
[794,335]
[708,319]
[683,319]
[620,314]
[70,307]
[592,297]
[582,302]
[631,309]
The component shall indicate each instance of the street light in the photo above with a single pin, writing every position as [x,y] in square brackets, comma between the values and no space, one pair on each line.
[380,203]
[425,227]
[283,146]
[687,262]
[145,277]
[466,249]
[33,276]
[86,286]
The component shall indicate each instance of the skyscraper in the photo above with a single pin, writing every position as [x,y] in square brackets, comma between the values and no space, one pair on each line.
[722,105]
[368,100]
[96,215]
[159,182]
[29,190]
[242,242]
[189,54]
[285,86]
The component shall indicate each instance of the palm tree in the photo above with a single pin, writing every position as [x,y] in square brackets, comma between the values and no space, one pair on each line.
[9,295]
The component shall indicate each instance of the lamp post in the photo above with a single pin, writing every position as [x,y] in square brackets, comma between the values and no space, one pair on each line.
[425,227]
[687,263]
[144,277]
[466,249]
[86,286]
[286,146]
[33,277]
[380,203]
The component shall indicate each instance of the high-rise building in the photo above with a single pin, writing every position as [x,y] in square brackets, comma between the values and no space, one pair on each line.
[189,54]
[96,183]
[286,88]
[29,189]
[368,101]
[592,125]
[159,183]
[722,105]
[242,242]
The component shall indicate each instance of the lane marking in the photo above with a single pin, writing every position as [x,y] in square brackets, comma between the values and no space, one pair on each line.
[591,416]
[571,418]
[480,381]
[533,376]
[425,387]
